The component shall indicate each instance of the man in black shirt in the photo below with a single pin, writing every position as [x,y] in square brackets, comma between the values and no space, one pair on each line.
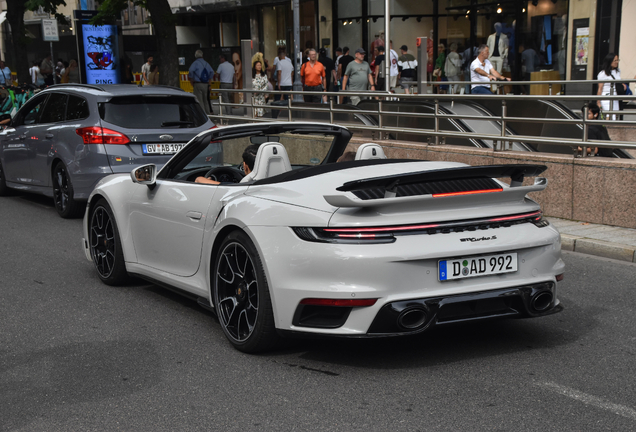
[342,67]
[330,73]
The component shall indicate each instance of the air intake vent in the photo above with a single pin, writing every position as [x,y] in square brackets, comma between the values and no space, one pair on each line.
[432,187]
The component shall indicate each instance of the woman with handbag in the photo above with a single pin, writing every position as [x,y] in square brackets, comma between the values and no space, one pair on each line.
[610,72]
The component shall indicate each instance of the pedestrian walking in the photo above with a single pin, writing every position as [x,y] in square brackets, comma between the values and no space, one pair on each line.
[71,73]
[36,76]
[5,74]
[330,69]
[46,69]
[200,75]
[59,67]
[344,61]
[145,71]
[153,76]
[259,82]
[612,74]
[313,75]
[358,76]
[284,72]
[453,67]
[225,74]
[407,65]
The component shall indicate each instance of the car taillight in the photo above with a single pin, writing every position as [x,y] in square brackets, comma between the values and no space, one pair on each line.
[338,302]
[100,135]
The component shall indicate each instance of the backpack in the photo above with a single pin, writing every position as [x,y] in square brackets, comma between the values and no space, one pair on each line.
[205,75]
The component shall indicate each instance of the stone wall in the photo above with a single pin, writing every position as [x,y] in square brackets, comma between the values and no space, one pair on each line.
[593,189]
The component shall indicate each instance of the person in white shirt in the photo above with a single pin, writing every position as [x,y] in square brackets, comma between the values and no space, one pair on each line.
[394,67]
[284,73]
[225,74]
[482,71]
[610,73]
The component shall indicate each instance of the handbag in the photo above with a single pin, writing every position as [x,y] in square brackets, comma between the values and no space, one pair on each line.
[437,72]
[619,87]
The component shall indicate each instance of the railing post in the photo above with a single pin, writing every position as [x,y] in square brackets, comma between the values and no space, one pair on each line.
[504,113]
[436,121]
[331,110]
[380,135]
[252,104]
[585,132]
[550,89]
[289,106]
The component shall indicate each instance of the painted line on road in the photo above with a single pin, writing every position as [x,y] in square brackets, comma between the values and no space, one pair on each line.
[597,402]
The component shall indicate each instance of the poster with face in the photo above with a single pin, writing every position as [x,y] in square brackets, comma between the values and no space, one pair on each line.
[101,54]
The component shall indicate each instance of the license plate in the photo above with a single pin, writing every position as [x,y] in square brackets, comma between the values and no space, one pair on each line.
[462,268]
[149,149]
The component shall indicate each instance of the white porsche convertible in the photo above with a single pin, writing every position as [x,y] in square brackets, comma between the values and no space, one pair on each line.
[304,244]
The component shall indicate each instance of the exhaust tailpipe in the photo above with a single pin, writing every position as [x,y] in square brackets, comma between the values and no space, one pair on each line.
[541,301]
[412,318]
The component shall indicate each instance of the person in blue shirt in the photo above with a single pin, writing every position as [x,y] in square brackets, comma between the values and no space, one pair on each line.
[200,75]
[5,74]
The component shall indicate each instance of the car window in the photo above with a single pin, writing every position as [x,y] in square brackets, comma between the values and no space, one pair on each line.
[77,108]
[29,115]
[153,112]
[55,109]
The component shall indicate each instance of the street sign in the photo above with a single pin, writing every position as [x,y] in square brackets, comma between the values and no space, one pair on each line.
[49,30]
[84,15]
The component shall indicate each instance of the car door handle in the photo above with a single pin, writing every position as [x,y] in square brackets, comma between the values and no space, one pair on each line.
[22,137]
[194,215]
[49,136]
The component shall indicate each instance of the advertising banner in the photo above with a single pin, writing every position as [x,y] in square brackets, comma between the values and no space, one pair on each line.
[101,55]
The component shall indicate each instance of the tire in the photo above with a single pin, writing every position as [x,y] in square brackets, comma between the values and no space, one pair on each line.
[105,245]
[241,295]
[4,190]
[65,205]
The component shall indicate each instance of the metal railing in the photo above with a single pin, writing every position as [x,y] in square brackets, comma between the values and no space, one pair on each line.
[501,141]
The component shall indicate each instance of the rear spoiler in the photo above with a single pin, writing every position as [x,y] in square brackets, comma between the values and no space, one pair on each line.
[515,172]
[390,184]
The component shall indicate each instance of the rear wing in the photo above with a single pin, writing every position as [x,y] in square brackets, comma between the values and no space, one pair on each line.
[443,183]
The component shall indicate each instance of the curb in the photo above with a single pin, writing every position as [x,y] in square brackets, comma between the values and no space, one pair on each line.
[599,248]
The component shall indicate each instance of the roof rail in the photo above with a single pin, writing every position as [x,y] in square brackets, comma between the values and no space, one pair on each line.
[90,86]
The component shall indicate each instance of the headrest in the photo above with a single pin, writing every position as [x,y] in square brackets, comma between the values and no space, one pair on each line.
[271,160]
[370,151]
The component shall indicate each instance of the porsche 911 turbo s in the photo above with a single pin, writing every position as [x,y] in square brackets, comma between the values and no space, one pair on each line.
[303,244]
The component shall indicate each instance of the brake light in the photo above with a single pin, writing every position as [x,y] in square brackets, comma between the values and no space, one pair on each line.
[338,302]
[466,192]
[100,135]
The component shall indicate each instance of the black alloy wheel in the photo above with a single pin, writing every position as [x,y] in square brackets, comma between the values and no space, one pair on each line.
[241,295]
[105,245]
[65,205]
[4,190]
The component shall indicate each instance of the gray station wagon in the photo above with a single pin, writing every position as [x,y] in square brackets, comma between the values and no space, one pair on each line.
[67,137]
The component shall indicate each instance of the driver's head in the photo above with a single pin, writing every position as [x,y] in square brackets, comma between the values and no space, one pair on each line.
[249,157]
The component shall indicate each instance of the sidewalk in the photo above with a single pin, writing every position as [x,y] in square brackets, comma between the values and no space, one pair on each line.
[593,239]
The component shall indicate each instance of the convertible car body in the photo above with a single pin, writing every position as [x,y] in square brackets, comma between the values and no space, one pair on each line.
[304,244]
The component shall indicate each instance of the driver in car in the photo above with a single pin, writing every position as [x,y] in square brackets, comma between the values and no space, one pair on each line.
[249,157]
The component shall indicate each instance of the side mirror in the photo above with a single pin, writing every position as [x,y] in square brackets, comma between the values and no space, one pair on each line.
[145,174]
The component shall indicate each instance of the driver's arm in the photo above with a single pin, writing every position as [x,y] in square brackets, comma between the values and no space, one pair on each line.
[206,180]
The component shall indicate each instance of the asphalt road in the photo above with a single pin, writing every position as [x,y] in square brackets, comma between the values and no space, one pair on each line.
[76,355]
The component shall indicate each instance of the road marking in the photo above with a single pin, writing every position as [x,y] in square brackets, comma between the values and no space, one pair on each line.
[597,402]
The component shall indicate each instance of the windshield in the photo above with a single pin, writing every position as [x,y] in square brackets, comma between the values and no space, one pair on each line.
[302,150]
[152,112]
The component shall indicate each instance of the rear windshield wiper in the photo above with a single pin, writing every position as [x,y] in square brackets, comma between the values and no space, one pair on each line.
[176,123]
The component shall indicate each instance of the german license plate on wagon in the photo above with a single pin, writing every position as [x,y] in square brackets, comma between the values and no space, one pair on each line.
[162,149]
[462,268]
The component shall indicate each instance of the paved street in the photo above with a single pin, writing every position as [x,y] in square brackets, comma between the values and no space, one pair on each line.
[76,355]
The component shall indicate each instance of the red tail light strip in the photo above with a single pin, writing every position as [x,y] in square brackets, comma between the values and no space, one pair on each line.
[447,194]
[338,302]
[537,215]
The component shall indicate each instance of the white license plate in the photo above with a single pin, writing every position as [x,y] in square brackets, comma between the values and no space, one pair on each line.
[462,268]
[161,148]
